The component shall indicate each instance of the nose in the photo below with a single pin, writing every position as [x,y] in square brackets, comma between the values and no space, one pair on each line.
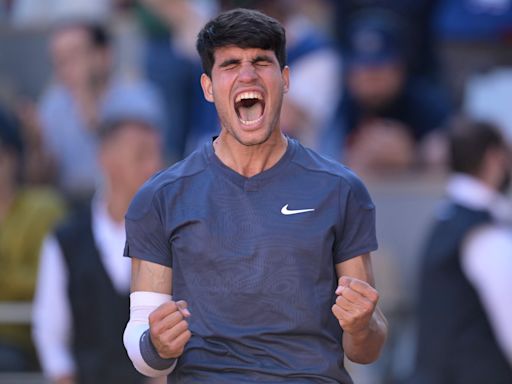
[247,73]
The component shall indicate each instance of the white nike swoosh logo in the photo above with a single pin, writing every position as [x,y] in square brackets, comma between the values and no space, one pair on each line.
[286,211]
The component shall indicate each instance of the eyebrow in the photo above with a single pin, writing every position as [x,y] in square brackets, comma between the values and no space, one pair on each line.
[262,58]
[228,62]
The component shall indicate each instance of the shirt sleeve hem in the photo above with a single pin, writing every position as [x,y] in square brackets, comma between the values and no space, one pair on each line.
[344,256]
[151,258]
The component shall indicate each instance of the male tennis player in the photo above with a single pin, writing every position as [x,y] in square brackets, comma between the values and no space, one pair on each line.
[251,257]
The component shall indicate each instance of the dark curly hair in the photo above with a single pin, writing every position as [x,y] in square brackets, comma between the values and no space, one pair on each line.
[243,28]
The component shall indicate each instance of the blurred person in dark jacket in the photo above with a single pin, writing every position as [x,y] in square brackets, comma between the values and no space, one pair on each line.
[81,304]
[464,316]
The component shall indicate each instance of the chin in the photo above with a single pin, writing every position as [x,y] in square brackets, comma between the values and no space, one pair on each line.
[253,138]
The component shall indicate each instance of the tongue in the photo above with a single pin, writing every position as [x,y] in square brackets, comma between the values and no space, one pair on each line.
[251,113]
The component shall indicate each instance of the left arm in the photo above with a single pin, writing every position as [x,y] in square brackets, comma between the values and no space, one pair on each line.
[51,315]
[487,263]
[363,323]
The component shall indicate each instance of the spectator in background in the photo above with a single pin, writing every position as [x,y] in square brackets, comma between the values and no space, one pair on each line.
[315,71]
[81,305]
[487,97]
[416,15]
[70,108]
[36,13]
[385,113]
[472,36]
[172,65]
[464,314]
[26,215]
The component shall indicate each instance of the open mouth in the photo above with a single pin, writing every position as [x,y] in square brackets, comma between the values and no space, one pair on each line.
[249,107]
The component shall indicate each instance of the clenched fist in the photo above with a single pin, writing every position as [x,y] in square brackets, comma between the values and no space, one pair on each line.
[355,304]
[169,328]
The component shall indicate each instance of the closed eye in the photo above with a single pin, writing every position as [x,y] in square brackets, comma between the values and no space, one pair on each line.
[229,64]
[262,61]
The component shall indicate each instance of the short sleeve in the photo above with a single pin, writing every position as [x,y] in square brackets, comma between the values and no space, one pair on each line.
[356,233]
[146,237]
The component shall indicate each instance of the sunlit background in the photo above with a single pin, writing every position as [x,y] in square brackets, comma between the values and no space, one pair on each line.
[374,84]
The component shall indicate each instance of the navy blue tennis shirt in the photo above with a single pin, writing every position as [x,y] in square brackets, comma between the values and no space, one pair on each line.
[254,258]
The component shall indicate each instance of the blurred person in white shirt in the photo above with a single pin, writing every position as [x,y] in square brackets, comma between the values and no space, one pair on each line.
[81,303]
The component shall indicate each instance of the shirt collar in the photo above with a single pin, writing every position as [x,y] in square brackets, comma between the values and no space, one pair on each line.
[472,193]
[101,217]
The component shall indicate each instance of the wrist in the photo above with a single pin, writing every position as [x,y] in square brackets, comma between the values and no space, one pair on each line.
[150,353]
[141,305]
[363,346]
[365,331]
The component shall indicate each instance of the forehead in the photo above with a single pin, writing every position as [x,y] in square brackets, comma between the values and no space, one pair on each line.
[70,37]
[232,52]
[130,130]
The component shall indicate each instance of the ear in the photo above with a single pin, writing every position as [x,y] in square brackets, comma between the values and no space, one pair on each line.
[206,84]
[286,79]
[492,158]
[493,166]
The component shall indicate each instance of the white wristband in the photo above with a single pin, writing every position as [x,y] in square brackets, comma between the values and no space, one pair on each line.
[141,305]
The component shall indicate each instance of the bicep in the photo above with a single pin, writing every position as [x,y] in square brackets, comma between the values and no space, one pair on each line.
[359,267]
[151,277]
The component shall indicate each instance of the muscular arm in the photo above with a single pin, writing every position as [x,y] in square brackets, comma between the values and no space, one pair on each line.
[168,326]
[151,277]
[363,323]
[158,329]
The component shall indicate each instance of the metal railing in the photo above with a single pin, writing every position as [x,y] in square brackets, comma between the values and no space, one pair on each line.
[14,312]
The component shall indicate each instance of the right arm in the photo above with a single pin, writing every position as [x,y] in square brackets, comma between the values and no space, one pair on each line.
[157,331]
[151,277]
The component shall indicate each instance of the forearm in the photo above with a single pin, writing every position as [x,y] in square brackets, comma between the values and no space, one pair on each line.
[364,346]
[136,340]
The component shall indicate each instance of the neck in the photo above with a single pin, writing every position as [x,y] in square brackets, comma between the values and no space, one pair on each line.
[87,99]
[99,85]
[246,160]
[117,203]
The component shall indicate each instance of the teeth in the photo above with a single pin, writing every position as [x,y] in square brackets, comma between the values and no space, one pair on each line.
[249,95]
[250,122]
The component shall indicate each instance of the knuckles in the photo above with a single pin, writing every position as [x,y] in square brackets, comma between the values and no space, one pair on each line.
[183,324]
[162,311]
[368,308]
[374,296]
[365,291]
[176,346]
[165,318]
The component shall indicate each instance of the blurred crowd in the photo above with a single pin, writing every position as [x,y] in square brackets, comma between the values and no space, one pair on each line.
[97,95]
